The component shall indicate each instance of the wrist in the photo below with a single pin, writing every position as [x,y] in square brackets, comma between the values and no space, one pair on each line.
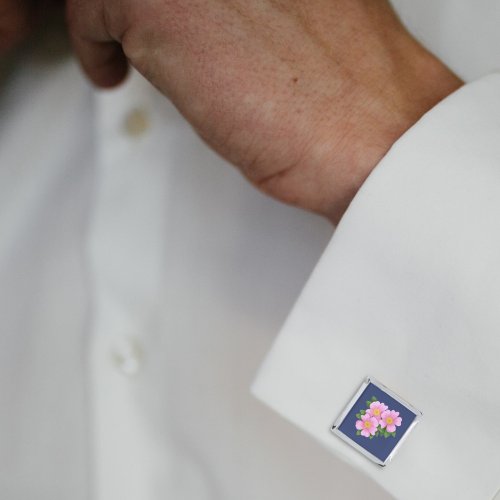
[409,92]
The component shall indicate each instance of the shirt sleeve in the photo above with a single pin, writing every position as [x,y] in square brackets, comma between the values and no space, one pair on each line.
[408,291]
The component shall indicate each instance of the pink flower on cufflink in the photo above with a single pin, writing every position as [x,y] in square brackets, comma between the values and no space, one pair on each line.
[389,421]
[367,426]
[377,420]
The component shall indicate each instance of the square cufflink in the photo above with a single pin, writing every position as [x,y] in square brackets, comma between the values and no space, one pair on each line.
[376,421]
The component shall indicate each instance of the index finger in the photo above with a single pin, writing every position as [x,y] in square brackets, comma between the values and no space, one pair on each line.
[99,54]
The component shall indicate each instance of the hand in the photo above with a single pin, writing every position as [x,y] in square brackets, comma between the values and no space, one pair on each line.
[304,97]
[19,17]
[15,21]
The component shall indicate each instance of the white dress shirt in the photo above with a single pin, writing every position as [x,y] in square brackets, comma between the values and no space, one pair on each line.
[142,282]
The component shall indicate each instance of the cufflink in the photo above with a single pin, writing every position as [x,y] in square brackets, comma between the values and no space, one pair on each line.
[376,421]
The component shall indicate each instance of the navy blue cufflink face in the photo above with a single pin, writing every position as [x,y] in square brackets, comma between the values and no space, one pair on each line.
[376,421]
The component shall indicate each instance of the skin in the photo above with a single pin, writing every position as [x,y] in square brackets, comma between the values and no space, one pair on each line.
[14,23]
[18,18]
[305,98]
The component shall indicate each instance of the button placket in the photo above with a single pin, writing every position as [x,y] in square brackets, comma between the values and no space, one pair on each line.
[127,355]
[126,251]
[137,122]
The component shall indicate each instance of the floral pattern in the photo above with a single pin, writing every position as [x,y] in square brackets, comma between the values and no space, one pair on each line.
[390,420]
[376,409]
[367,426]
[377,420]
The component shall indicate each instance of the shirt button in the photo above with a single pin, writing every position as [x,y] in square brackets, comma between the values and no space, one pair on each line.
[137,122]
[127,356]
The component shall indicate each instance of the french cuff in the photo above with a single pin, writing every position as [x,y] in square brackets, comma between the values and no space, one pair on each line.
[408,291]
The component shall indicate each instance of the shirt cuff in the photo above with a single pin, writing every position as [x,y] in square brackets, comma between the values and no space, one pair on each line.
[408,291]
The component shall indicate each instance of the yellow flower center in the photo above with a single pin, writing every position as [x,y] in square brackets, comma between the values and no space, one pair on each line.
[368,424]
[389,420]
[376,412]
